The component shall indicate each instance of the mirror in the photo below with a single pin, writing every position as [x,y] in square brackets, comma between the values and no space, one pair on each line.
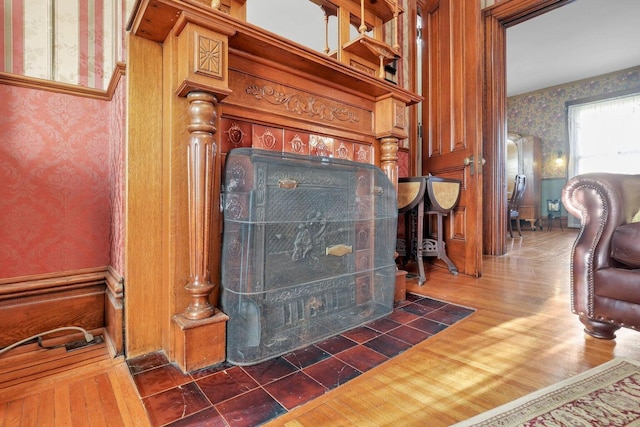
[511,162]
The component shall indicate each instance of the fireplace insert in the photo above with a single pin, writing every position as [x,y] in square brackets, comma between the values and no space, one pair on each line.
[308,250]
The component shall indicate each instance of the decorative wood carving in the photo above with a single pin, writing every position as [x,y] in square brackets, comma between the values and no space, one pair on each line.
[209,60]
[372,51]
[202,150]
[399,116]
[203,66]
[389,158]
[305,101]
[365,52]
[301,104]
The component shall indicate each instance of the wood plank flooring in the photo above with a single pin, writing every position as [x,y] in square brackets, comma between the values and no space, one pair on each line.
[522,337]
[82,387]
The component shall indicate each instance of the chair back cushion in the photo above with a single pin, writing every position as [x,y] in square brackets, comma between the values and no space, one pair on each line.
[625,244]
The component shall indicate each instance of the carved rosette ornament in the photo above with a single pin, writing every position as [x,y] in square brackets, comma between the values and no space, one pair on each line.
[209,56]
[201,156]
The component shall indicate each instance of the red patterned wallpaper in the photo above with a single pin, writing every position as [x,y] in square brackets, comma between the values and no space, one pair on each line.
[54,182]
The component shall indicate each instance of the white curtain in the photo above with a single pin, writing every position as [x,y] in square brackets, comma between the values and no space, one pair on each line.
[604,136]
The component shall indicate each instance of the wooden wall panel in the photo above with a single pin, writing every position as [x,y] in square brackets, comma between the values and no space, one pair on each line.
[144,296]
[32,305]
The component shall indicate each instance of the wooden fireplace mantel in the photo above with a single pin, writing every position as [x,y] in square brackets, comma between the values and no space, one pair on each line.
[201,82]
[155,19]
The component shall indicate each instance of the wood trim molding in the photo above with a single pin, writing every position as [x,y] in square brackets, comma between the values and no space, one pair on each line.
[32,285]
[496,19]
[118,73]
[88,298]
[513,12]
[65,88]
[115,282]
[114,312]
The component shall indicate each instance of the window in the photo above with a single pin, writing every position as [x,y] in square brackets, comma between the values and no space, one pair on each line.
[69,41]
[604,137]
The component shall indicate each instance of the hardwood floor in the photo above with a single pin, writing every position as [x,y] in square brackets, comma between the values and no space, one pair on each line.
[83,387]
[522,337]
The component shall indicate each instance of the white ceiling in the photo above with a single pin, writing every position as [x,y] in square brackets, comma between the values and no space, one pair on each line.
[582,39]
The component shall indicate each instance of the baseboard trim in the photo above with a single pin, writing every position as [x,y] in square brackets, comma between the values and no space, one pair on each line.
[87,298]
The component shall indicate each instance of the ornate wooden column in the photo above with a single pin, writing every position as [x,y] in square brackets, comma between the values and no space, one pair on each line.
[202,76]
[201,156]
[200,330]
[389,158]
[390,127]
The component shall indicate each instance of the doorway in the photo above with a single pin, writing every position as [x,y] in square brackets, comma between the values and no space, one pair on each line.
[496,20]
[500,26]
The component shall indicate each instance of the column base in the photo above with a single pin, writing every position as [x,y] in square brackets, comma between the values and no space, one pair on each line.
[401,286]
[200,343]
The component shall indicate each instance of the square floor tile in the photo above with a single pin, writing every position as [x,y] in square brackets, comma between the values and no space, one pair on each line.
[387,345]
[226,384]
[417,309]
[174,404]
[411,297]
[250,409]
[209,417]
[409,335]
[332,372]
[458,311]
[427,325]
[403,316]
[362,358]
[443,316]
[431,303]
[270,370]
[306,356]
[295,390]
[361,334]
[336,344]
[146,362]
[383,325]
[210,370]
[159,379]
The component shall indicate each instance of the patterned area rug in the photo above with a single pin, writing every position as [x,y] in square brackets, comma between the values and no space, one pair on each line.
[607,395]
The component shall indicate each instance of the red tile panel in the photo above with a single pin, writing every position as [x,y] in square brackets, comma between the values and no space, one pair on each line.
[234,134]
[296,142]
[362,153]
[226,394]
[343,150]
[267,138]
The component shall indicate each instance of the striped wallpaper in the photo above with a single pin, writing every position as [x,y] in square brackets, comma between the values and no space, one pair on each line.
[68,41]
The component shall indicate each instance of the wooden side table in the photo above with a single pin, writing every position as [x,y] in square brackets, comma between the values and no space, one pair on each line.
[441,195]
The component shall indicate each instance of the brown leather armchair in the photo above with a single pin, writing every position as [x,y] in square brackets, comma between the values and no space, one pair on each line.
[605,259]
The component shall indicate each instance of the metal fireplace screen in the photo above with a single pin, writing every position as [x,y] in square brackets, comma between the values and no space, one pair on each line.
[308,250]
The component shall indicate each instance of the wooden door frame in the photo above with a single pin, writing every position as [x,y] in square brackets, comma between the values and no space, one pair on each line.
[497,19]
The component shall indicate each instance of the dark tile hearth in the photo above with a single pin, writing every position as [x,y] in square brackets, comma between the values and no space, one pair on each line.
[229,395]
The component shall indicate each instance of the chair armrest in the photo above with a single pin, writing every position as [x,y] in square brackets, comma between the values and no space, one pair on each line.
[602,202]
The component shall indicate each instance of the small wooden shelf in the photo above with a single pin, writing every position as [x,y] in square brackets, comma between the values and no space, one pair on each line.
[370,49]
[384,9]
